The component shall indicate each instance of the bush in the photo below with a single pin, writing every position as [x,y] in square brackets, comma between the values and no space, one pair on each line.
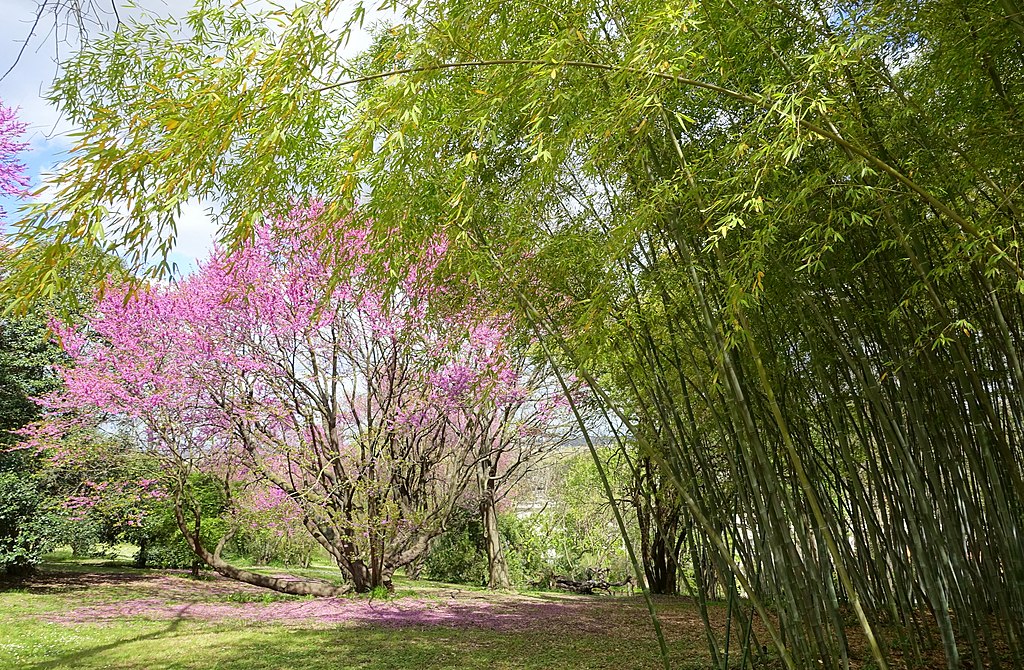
[524,550]
[25,532]
[577,530]
[82,535]
[161,544]
[170,555]
[458,555]
[271,545]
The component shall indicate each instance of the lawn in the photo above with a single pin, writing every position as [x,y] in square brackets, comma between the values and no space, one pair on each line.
[88,616]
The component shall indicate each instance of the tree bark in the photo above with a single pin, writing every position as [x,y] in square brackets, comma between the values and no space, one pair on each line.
[414,569]
[662,570]
[658,521]
[361,576]
[298,587]
[497,563]
[142,559]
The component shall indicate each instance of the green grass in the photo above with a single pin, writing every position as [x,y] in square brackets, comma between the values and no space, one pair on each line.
[152,646]
[118,554]
[617,636]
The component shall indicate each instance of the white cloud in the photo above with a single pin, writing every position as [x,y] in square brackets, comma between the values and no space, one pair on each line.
[197,232]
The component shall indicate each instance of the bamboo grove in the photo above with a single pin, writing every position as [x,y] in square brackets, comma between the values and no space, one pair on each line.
[779,241]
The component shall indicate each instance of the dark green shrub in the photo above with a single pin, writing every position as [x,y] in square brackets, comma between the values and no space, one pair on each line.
[458,554]
[172,555]
[25,532]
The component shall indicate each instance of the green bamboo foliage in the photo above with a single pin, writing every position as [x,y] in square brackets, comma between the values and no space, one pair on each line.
[819,353]
[779,240]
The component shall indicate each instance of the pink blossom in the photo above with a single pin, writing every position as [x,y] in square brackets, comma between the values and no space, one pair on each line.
[13,181]
[303,392]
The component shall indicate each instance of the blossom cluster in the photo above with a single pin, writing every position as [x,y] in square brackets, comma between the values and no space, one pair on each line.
[13,180]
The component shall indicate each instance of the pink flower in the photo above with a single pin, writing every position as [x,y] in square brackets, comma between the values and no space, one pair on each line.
[13,181]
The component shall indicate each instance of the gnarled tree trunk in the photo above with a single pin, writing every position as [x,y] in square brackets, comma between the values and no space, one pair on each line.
[658,518]
[292,586]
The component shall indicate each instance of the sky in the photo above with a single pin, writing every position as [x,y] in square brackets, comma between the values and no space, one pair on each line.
[26,84]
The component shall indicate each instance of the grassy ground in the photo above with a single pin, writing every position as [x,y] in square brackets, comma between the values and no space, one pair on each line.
[99,613]
[94,616]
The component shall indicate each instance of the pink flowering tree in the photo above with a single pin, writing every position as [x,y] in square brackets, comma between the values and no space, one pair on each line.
[513,430]
[13,180]
[370,411]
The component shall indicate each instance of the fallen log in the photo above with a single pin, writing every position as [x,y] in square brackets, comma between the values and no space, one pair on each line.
[590,585]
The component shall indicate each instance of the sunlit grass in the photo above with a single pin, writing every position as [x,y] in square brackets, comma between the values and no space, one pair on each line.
[151,645]
[36,633]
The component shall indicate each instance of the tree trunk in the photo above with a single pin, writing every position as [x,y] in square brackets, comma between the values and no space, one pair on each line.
[658,521]
[197,534]
[142,559]
[361,576]
[414,569]
[292,586]
[662,570]
[497,564]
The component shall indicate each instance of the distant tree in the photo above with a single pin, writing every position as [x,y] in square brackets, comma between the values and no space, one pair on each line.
[575,525]
[514,437]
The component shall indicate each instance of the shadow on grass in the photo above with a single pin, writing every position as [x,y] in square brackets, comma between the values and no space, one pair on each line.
[51,581]
[363,647]
[76,659]
[195,628]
